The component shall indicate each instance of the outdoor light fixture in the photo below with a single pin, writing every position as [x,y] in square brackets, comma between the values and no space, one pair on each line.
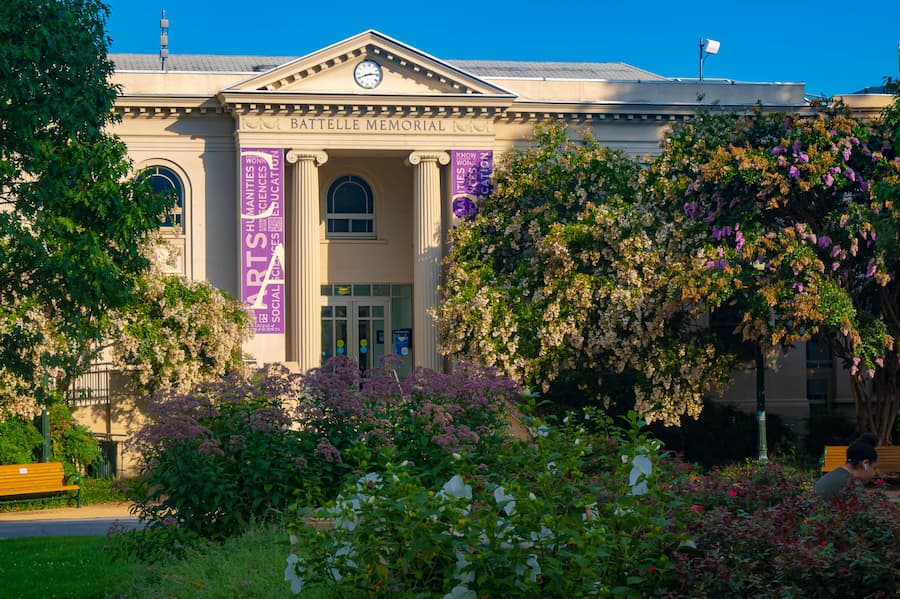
[707,48]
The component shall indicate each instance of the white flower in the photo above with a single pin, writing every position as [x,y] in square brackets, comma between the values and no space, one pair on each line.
[624,459]
[457,487]
[531,496]
[461,592]
[505,500]
[290,574]
[543,535]
[461,564]
[534,566]
[543,430]
[456,456]
[346,548]
[566,420]
[641,465]
[372,477]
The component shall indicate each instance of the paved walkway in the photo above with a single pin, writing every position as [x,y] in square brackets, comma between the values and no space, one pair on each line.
[66,521]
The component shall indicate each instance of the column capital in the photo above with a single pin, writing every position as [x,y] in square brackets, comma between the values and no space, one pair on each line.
[417,157]
[317,156]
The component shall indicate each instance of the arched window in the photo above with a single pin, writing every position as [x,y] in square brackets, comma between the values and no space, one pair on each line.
[350,208]
[163,180]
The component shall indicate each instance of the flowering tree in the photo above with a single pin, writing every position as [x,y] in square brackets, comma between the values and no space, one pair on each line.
[564,281]
[179,333]
[793,220]
[72,221]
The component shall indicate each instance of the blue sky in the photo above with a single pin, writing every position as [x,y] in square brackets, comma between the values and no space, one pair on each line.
[833,46]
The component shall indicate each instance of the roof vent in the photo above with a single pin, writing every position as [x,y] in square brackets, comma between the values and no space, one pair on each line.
[259,68]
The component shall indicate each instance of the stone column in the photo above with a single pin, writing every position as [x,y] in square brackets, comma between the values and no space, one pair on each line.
[426,254]
[303,261]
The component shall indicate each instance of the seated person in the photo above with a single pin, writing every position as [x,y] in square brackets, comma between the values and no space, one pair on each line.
[861,461]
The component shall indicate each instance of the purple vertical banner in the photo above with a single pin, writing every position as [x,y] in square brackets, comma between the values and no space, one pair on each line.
[262,237]
[471,171]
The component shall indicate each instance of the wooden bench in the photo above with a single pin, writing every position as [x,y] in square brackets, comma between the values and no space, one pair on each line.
[888,459]
[29,481]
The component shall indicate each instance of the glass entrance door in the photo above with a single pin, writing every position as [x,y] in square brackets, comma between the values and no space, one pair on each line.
[355,327]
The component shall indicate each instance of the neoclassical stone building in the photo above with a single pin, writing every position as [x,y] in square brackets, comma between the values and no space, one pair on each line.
[320,188]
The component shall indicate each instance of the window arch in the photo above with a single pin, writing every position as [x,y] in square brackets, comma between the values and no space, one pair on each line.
[350,208]
[164,181]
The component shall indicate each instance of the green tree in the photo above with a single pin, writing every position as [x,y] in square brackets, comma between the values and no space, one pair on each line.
[565,282]
[73,220]
[792,222]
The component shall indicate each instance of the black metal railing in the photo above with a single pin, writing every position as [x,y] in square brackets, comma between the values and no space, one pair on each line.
[91,387]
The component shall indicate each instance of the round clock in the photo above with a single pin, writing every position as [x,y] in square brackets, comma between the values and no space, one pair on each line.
[368,74]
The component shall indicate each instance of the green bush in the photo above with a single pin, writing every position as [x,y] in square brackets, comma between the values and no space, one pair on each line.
[72,444]
[569,515]
[20,441]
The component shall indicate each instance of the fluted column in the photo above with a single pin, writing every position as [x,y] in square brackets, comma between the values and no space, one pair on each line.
[303,262]
[427,254]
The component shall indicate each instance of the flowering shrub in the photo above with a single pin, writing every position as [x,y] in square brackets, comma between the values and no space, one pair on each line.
[799,546]
[216,458]
[590,509]
[533,523]
[226,453]
[180,333]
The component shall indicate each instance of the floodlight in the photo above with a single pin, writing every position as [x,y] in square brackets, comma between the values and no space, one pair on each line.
[707,48]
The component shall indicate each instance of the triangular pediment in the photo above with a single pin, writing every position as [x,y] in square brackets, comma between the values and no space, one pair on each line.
[405,71]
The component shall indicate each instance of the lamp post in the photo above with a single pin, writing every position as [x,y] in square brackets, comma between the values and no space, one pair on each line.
[707,48]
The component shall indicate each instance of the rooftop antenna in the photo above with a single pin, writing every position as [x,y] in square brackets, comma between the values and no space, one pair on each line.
[706,48]
[164,42]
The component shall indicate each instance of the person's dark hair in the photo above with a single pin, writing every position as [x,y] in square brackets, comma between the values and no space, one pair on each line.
[869,439]
[861,450]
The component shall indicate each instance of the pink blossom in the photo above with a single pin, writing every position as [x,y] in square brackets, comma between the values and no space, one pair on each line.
[827,179]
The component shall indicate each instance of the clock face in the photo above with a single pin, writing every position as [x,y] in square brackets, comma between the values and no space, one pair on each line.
[368,74]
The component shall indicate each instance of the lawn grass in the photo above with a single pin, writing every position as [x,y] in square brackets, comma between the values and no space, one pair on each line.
[57,568]
[250,566]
